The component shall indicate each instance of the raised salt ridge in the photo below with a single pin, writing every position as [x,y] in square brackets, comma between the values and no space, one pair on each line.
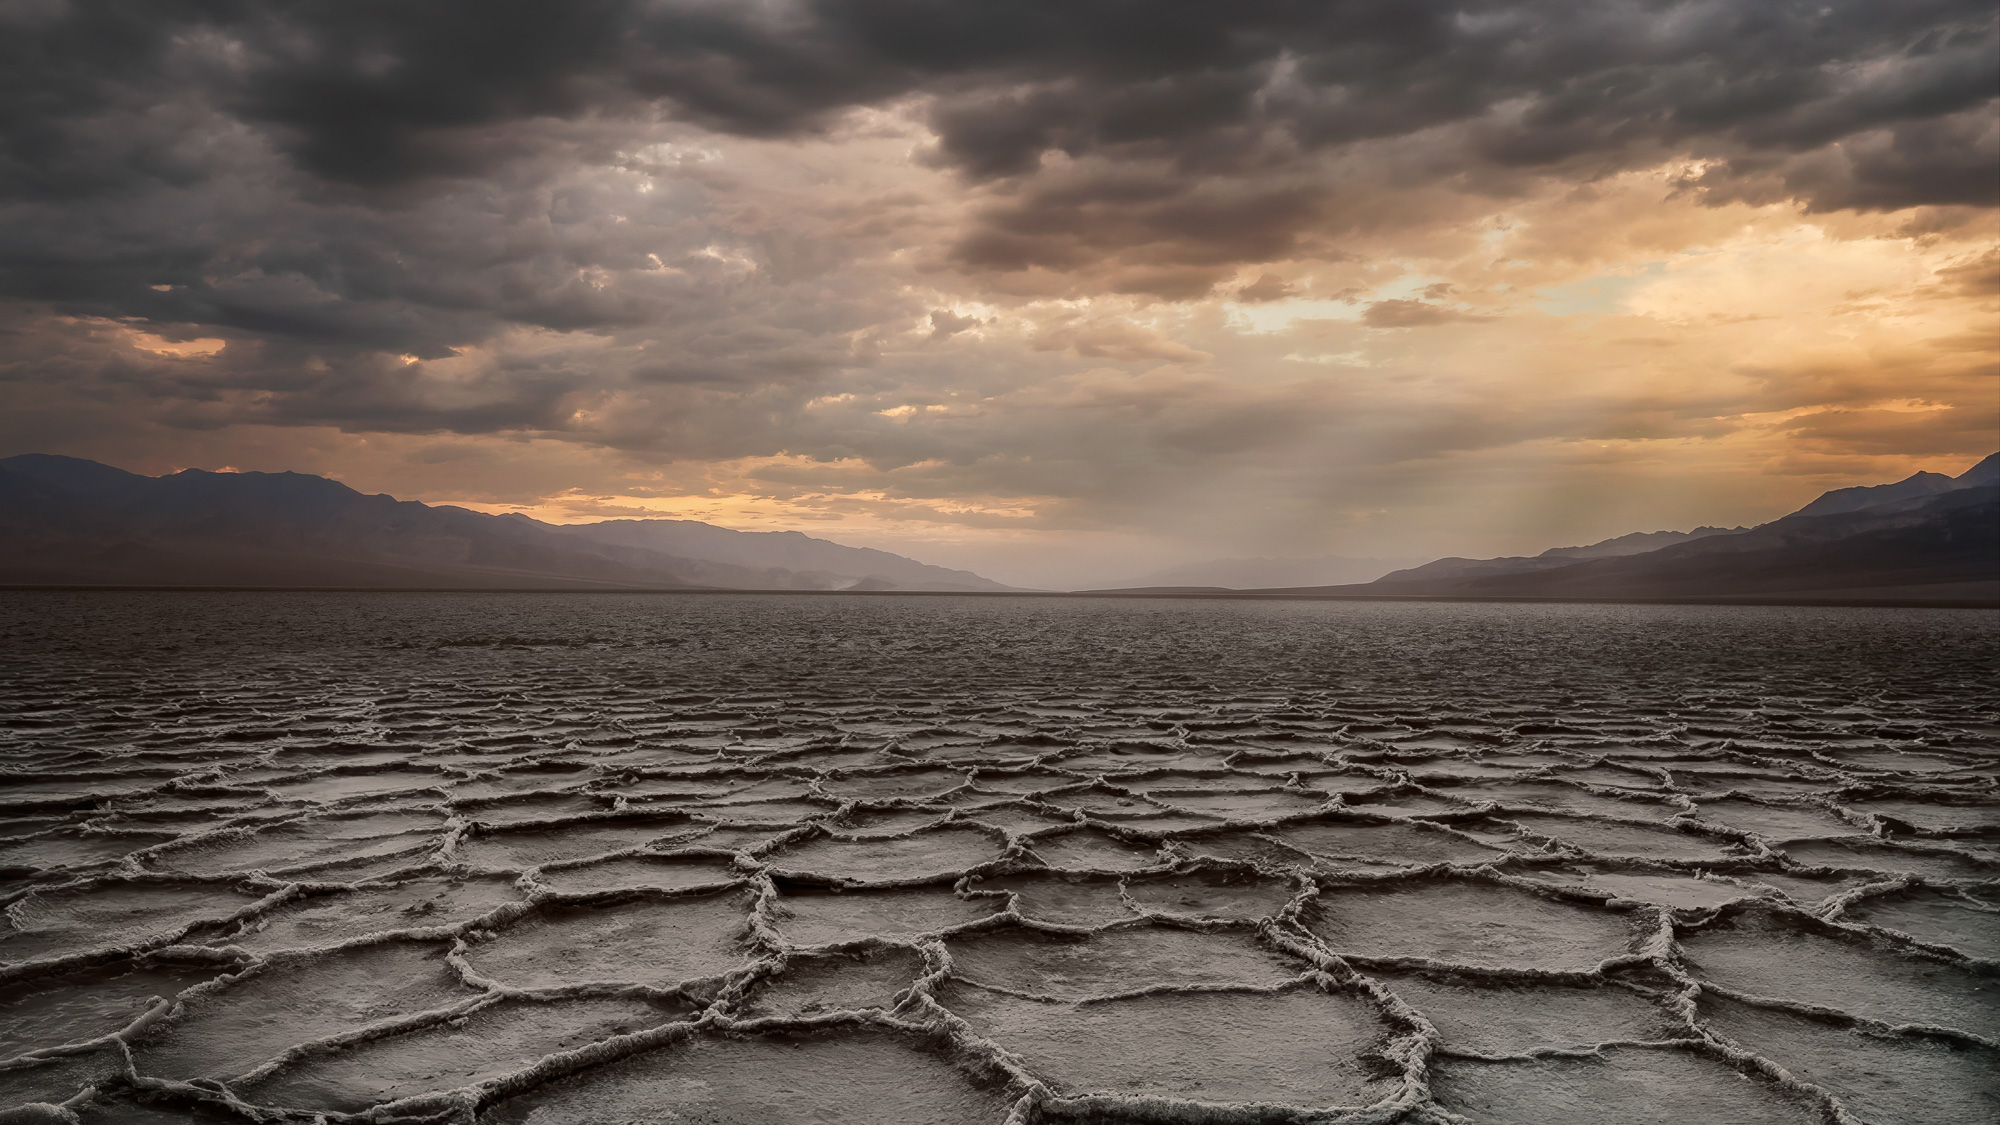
[540,859]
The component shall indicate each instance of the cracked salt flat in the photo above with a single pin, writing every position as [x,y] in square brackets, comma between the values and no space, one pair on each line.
[58,920]
[1631,1086]
[657,942]
[228,1027]
[1015,861]
[1299,1047]
[1210,894]
[1479,1016]
[1681,892]
[1882,1078]
[1960,923]
[855,1073]
[666,872]
[808,984]
[1061,898]
[1962,864]
[46,1009]
[942,853]
[1473,923]
[1089,849]
[519,848]
[1111,961]
[1613,840]
[1416,845]
[813,916]
[500,1039]
[1760,954]
[1776,822]
[346,913]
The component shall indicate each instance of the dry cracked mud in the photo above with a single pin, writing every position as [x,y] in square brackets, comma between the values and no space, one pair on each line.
[509,859]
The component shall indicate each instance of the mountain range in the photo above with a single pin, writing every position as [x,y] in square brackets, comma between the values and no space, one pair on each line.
[1927,538]
[68,521]
[1637,543]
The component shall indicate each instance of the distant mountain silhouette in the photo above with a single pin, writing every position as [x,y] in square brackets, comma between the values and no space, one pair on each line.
[1913,487]
[1636,543]
[1928,537]
[65,520]
[788,550]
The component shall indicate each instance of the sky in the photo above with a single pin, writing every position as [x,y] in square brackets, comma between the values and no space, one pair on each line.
[1055,290]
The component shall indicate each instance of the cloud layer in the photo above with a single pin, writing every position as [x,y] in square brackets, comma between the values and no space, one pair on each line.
[1265,275]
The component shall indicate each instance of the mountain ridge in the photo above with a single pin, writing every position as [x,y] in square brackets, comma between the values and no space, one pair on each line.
[1910,535]
[73,521]
[1916,541]
[790,550]
[69,521]
[1915,486]
[1637,542]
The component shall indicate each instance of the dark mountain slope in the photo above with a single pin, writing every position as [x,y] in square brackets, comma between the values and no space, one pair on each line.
[1916,486]
[1926,531]
[1948,539]
[1637,542]
[1913,487]
[65,520]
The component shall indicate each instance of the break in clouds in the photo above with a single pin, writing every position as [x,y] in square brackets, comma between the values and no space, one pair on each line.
[1258,273]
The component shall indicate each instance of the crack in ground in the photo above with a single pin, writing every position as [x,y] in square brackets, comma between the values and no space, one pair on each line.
[957,860]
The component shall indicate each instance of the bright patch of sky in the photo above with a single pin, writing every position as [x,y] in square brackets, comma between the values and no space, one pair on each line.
[1600,295]
[1279,316]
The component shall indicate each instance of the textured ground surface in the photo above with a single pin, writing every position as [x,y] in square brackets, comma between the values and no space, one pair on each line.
[759,859]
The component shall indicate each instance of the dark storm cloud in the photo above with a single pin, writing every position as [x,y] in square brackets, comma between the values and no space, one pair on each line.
[373,92]
[360,176]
